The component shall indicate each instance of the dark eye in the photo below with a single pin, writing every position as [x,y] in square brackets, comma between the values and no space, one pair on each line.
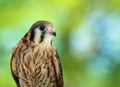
[42,28]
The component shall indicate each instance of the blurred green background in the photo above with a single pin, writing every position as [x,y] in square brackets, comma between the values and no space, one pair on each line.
[88,38]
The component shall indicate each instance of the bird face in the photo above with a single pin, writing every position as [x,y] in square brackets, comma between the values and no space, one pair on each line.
[42,32]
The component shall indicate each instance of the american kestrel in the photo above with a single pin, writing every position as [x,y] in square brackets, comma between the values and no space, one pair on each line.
[35,61]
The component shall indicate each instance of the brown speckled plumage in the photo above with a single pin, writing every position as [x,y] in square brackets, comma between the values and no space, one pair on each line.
[35,61]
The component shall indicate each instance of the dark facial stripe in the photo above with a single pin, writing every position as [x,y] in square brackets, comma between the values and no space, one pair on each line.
[32,35]
[42,36]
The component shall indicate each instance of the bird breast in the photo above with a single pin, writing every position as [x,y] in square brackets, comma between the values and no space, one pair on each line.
[36,67]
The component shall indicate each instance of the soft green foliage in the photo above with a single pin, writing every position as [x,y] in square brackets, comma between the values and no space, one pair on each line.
[81,68]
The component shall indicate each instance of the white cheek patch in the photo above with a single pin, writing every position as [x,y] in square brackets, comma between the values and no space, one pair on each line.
[37,35]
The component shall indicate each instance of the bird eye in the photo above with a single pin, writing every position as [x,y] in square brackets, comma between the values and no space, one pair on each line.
[42,28]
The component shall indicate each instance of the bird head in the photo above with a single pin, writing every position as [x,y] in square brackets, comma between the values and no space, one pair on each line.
[42,32]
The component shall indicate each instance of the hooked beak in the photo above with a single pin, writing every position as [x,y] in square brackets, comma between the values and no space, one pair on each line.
[53,33]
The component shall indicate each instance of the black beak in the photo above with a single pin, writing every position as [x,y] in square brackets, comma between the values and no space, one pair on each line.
[53,33]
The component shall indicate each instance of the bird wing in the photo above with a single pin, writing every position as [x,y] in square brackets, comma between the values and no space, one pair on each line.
[14,66]
[60,76]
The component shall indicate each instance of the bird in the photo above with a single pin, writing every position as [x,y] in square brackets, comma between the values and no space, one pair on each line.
[35,61]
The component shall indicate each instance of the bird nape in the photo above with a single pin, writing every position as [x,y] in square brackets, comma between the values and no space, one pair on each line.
[35,61]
